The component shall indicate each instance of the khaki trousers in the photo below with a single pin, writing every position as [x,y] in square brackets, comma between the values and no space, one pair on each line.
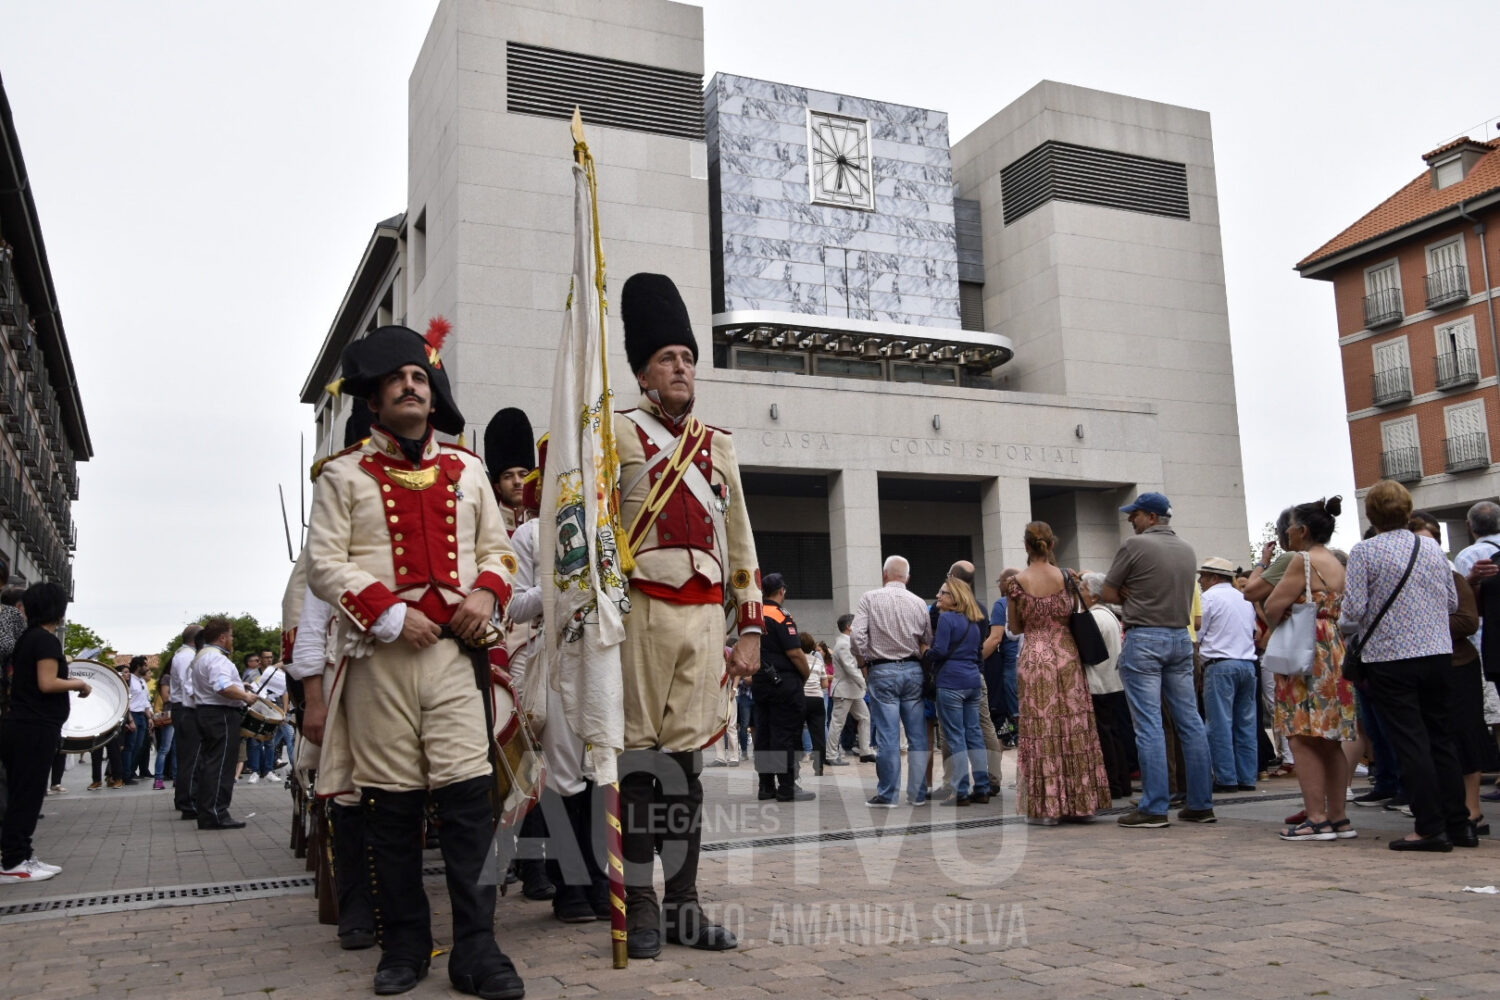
[673,660]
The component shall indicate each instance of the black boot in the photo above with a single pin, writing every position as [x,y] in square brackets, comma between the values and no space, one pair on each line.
[403,922]
[536,884]
[476,964]
[686,923]
[574,872]
[356,917]
[638,845]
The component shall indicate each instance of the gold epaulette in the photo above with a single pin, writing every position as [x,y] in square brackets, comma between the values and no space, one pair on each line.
[317,467]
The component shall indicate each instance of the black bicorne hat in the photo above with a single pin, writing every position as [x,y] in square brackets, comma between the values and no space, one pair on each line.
[357,427]
[655,317]
[389,348]
[508,443]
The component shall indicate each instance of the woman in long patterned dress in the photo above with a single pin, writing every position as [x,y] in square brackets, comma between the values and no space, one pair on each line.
[1061,764]
[1316,711]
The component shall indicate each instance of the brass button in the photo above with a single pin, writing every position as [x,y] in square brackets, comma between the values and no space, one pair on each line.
[400,551]
[394,519]
[402,571]
[454,574]
[386,487]
[398,536]
[390,503]
[451,538]
[452,556]
[450,519]
[450,503]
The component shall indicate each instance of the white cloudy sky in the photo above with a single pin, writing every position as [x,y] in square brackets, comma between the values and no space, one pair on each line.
[208,174]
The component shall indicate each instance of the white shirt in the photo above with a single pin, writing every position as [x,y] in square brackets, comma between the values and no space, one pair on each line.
[1104,676]
[813,686]
[140,695]
[213,672]
[1481,549]
[526,599]
[1228,631]
[274,681]
[309,655]
[182,677]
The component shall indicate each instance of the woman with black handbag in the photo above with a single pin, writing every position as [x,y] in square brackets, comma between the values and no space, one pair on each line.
[1398,599]
[1060,762]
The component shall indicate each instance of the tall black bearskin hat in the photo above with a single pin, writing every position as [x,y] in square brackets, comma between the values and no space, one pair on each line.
[508,443]
[655,317]
[357,427]
[373,357]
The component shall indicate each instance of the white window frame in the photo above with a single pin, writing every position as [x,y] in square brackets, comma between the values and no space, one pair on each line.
[1456,158]
[1440,334]
[1409,419]
[1395,265]
[1463,258]
[1484,424]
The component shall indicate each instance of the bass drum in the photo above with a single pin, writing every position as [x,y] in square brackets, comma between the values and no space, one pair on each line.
[95,720]
[522,772]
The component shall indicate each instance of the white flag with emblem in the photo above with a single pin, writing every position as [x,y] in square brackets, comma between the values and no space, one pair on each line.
[585,593]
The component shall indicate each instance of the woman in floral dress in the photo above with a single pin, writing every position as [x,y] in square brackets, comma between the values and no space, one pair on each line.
[1061,765]
[1316,711]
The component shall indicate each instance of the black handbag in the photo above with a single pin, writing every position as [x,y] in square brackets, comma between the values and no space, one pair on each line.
[1086,634]
[1354,664]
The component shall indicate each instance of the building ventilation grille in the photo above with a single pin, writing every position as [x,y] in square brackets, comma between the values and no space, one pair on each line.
[1062,171]
[551,83]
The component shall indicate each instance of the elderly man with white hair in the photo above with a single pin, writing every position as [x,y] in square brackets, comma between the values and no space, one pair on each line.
[891,629]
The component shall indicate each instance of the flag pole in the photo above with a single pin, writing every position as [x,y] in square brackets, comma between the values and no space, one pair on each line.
[618,936]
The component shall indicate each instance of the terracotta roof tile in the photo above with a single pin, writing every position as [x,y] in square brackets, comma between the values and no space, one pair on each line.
[1416,201]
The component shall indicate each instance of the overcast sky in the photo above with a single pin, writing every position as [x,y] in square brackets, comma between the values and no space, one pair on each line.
[207,176]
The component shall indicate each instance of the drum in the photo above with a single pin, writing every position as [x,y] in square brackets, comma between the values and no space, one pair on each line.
[261,721]
[97,719]
[522,771]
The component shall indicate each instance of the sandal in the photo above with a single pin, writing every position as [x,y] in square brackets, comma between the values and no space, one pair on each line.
[1342,829]
[1308,830]
[1284,771]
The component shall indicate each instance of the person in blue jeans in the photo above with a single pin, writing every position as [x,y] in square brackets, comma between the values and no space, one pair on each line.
[955,645]
[1002,661]
[1152,578]
[1226,641]
[139,721]
[890,630]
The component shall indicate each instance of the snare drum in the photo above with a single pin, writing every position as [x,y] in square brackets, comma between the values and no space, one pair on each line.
[261,721]
[97,719]
[522,771]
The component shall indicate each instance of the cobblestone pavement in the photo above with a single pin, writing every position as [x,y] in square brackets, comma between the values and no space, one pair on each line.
[829,899]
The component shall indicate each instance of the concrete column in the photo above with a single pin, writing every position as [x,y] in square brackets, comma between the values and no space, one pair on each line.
[1004,509]
[854,535]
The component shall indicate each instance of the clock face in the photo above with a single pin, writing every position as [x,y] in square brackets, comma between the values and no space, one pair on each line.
[839,160]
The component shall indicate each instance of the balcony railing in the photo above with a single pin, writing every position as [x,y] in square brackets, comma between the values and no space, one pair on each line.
[1467,451]
[1404,465]
[1392,385]
[1457,368]
[1447,287]
[1382,307]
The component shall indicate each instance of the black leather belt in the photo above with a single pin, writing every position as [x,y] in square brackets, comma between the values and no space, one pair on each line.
[877,663]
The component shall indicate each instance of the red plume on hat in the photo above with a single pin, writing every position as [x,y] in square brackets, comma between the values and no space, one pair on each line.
[438,329]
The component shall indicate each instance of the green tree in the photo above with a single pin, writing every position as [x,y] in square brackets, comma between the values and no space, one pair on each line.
[78,638]
[1267,534]
[249,637]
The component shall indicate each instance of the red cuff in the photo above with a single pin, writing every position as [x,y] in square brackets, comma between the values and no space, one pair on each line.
[495,584]
[366,607]
[288,640]
[750,615]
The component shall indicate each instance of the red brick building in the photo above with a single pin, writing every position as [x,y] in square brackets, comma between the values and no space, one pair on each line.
[1416,324]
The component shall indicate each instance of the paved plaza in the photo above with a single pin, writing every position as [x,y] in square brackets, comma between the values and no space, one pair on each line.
[829,898]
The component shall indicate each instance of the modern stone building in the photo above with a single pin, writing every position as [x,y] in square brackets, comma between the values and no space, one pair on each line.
[1415,309]
[919,345]
[43,435]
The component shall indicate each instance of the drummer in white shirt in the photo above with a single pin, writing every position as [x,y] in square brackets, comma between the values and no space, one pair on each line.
[181,706]
[217,687]
[273,689]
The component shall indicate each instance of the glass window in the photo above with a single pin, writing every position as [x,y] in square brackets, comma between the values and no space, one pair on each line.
[769,361]
[848,367]
[931,375]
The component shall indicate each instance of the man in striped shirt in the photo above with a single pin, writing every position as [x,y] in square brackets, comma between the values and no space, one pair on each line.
[891,629]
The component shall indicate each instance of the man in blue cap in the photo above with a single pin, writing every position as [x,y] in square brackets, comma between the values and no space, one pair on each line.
[1152,577]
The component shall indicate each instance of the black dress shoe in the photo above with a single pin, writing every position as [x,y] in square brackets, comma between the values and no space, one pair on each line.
[398,979]
[571,905]
[710,937]
[1438,843]
[796,795]
[1225,788]
[643,944]
[1464,835]
[357,940]
[1246,788]
[868,758]
[228,824]
[189,814]
[765,794]
[503,984]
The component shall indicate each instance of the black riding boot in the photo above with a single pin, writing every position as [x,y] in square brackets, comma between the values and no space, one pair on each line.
[638,845]
[350,882]
[681,843]
[535,881]
[476,965]
[582,889]
[393,845]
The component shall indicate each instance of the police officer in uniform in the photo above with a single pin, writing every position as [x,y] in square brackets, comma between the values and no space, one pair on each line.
[407,543]
[779,709]
[683,512]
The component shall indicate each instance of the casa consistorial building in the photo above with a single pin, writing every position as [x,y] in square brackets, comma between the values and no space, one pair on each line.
[919,344]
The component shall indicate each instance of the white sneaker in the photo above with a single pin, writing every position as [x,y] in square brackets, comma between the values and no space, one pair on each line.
[1348,795]
[26,871]
[54,869]
[252,779]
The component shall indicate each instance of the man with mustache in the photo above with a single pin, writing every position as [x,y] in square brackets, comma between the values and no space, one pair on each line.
[684,516]
[407,544]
